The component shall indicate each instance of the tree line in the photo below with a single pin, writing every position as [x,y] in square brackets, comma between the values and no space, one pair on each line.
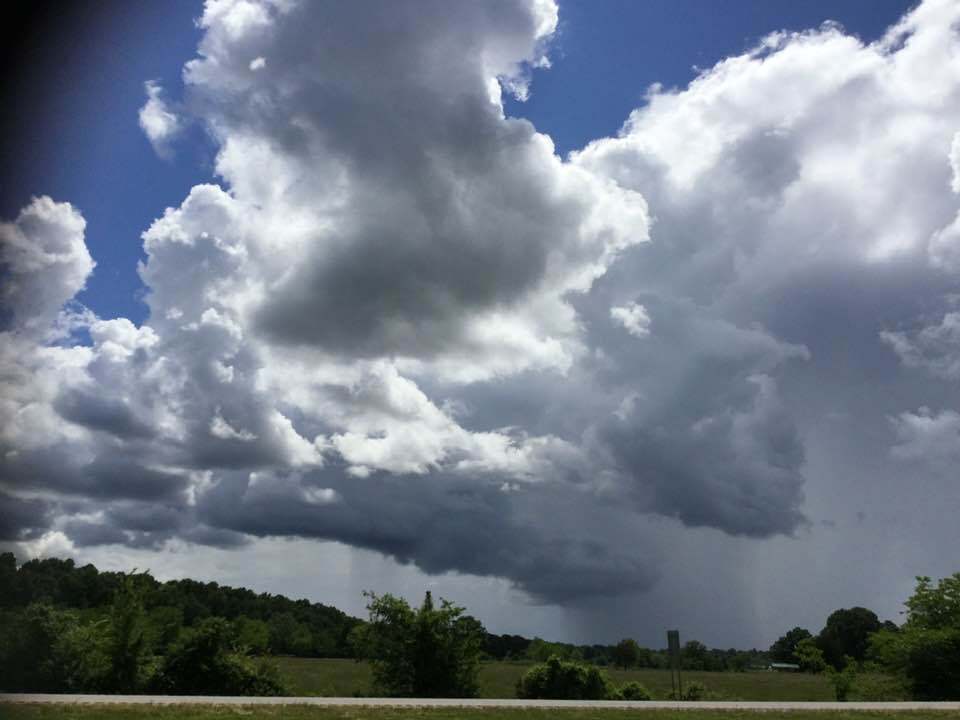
[923,653]
[69,628]
[269,624]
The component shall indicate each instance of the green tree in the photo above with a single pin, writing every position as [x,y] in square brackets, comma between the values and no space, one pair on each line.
[8,579]
[428,652]
[126,638]
[626,653]
[254,635]
[809,656]
[846,634]
[540,650]
[784,649]
[935,606]
[926,650]
[43,649]
[695,656]
[163,624]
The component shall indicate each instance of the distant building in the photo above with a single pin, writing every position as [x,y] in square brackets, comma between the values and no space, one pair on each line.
[783,667]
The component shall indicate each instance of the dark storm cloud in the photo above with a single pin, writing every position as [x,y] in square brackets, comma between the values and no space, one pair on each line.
[441,524]
[735,467]
[145,517]
[22,519]
[110,476]
[215,537]
[93,410]
[85,534]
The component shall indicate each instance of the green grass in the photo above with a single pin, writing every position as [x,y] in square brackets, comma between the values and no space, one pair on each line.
[325,677]
[346,678]
[289,712]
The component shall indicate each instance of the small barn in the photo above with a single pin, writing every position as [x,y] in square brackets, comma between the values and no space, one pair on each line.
[783,667]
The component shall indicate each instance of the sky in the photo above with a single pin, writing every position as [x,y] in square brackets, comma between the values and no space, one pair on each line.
[597,318]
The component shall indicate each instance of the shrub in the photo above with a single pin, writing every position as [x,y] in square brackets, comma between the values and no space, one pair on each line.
[633,691]
[693,691]
[809,656]
[564,680]
[43,649]
[842,680]
[205,661]
[875,686]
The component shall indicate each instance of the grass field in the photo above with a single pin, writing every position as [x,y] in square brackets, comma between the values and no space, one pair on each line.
[186,712]
[346,678]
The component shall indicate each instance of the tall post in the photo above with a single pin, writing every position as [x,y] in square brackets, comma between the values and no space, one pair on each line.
[673,650]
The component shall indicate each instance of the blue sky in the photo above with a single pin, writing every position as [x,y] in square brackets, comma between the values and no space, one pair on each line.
[84,142]
[708,365]
[609,52]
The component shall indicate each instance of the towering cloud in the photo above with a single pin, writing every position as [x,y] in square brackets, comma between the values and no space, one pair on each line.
[44,263]
[402,322]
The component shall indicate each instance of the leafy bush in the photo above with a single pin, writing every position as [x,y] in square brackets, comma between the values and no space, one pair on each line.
[842,680]
[47,650]
[692,691]
[633,691]
[875,686]
[809,656]
[564,680]
[205,661]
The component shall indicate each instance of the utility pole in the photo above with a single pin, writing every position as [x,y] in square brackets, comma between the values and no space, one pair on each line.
[673,650]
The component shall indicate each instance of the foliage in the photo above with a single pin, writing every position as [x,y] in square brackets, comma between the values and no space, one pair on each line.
[935,607]
[205,661]
[842,680]
[695,691]
[48,650]
[505,647]
[540,650]
[784,649]
[287,636]
[875,685]
[297,626]
[694,655]
[428,652]
[344,678]
[126,641]
[846,634]
[809,656]
[691,691]
[633,691]
[926,650]
[252,635]
[162,625]
[559,679]
[293,627]
[626,653]
[305,712]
